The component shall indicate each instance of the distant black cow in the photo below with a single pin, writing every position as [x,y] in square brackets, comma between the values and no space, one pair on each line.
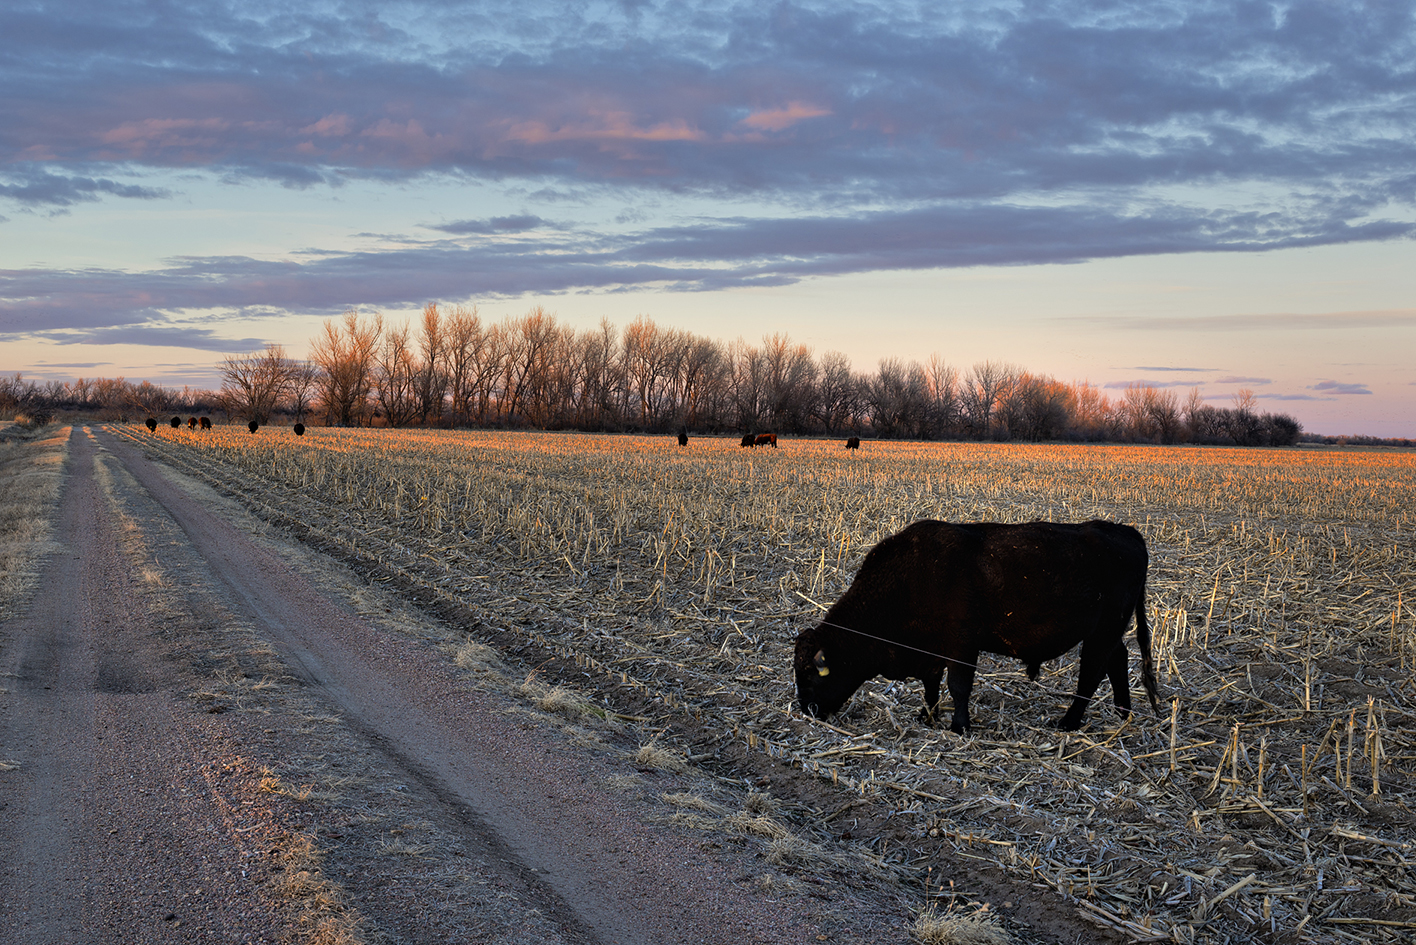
[765,439]
[253,426]
[934,596]
[748,440]
[299,429]
[206,423]
[853,443]
[683,437]
[176,422]
[151,425]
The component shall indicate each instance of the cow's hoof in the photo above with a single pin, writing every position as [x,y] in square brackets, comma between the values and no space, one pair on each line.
[1065,724]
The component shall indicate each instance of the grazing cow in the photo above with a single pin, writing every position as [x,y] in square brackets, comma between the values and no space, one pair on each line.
[934,596]
[766,439]
[191,423]
[206,423]
[299,429]
[253,426]
[176,422]
[853,443]
[748,440]
[683,436]
[151,425]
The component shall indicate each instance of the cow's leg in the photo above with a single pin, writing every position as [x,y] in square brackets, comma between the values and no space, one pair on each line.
[961,679]
[1095,663]
[930,713]
[1120,684]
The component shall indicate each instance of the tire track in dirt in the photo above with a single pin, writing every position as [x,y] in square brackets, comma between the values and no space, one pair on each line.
[567,848]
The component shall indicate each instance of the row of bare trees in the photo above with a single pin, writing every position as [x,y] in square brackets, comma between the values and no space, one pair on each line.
[452,368]
[104,398]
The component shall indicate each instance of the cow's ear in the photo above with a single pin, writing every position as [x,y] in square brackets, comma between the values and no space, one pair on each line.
[820,660]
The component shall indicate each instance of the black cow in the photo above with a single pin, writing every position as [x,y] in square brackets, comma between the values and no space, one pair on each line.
[748,440]
[151,425]
[206,423]
[765,439]
[853,443]
[936,595]
[253,426]
[176,422]
[683,437]
[299,429]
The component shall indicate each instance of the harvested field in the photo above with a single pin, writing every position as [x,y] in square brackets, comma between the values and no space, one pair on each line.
[1272,802]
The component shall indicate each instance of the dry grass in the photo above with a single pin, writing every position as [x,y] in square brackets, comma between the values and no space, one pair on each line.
[1274,797]
[31,476]
[323,917]
[658,757]
[980,927]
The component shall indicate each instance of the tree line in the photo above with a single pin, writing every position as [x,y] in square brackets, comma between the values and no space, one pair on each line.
[452,368]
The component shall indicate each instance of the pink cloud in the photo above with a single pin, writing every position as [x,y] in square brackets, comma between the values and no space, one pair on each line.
[603,126]
[775,119]
[330,125]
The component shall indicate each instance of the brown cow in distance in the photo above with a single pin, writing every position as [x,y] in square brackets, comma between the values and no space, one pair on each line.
[206,423]
[765,439]
[853,443]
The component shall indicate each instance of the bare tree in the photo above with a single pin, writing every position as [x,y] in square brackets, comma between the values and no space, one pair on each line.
[986,383]
[1034,408]
[300,392]
[345,356]
[837,402]
[944,409]
[253,385]
[395,378]
[704,382]
[430,382]
[748,385]
[791,382]
[897,398]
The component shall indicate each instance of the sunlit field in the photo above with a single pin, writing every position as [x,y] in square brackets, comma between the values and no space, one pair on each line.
[1271,801]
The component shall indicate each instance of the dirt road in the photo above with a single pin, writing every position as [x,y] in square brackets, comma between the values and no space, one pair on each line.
[206,741]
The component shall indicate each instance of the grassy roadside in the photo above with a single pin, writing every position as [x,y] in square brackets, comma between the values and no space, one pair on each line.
[31,477]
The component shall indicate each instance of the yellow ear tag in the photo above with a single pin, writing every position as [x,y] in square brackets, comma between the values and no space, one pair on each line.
[821,668]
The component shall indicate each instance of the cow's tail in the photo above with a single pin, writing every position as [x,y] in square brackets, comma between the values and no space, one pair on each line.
[1143,641]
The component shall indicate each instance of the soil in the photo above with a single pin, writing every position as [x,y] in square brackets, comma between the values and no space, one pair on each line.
[210,732]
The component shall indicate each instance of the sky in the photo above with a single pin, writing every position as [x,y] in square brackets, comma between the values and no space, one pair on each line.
[1213,195]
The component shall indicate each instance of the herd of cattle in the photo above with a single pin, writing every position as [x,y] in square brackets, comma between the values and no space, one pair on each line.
[928,600]
[205,424]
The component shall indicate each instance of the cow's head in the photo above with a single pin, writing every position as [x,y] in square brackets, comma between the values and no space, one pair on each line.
[825,678]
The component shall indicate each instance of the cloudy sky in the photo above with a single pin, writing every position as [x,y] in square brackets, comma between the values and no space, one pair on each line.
[1219,195]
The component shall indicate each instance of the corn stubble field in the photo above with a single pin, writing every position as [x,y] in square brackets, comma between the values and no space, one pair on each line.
[1271,802]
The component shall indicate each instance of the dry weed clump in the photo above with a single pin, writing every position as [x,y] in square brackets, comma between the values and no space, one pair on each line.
[663,759]
[1273,798]
[979,927]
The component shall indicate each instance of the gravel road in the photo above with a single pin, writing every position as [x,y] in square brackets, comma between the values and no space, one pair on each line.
[205,740]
